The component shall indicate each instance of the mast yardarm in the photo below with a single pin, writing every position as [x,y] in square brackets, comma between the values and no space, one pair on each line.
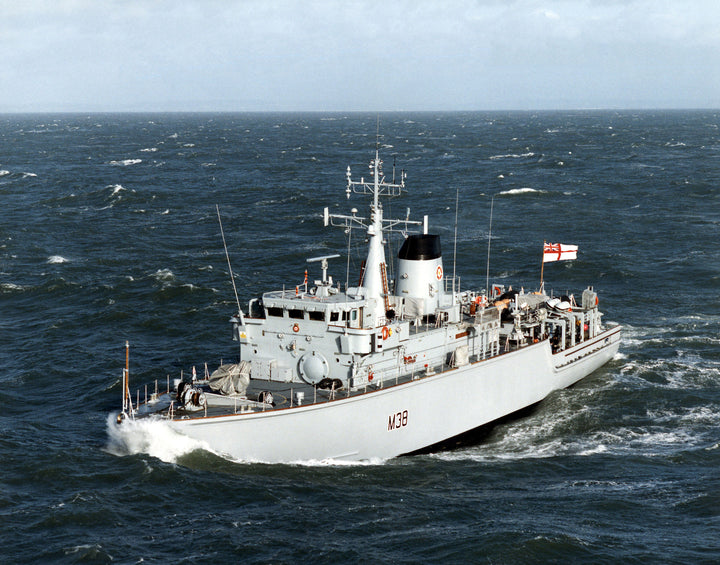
[374,283]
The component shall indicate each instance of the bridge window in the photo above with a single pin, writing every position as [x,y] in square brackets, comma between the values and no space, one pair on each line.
[334,316]
[275,312]
[296,314]
[317,316]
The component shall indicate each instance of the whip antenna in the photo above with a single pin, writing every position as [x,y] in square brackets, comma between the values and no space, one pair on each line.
[227,256]
[487,273]
[457,194]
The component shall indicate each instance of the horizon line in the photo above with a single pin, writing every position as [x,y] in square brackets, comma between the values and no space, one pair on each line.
[435,111]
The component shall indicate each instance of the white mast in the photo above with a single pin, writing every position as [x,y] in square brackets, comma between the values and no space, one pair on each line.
[372,277]
[374,283]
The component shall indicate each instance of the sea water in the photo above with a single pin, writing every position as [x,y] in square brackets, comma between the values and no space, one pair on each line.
[109,233]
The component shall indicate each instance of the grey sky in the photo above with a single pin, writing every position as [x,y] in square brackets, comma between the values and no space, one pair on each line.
[120,55]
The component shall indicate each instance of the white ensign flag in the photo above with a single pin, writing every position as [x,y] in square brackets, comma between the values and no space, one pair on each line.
[559,252]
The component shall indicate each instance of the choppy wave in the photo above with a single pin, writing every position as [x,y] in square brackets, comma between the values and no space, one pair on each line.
[555,434]
[649,417]
[512,156]
[525,190]
[164,275]
[56,259]
[11,287]
[126,162]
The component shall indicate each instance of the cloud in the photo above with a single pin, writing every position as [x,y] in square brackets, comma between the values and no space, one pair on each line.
[357,54]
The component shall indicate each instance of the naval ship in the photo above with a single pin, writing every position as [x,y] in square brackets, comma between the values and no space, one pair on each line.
[384,368]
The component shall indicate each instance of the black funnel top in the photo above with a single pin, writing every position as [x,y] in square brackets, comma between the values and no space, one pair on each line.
[420,247]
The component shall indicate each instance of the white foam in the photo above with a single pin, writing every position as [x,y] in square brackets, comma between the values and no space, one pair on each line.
[164,275]
[116,188]
[512,156]
[4,172]
[312,462]
[126,162]
[55,259]
[26,175]
[153,436]
[525,190]
[149,149]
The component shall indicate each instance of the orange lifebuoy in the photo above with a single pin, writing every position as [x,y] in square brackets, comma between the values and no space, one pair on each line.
[370,376]
[296,328]
[439,272]
[385,332]
[481,300]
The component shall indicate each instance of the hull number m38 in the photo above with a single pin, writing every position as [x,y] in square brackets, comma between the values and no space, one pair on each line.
[398,420]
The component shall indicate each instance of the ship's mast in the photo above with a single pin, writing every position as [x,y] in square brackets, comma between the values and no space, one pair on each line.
[372,277]
[374,283]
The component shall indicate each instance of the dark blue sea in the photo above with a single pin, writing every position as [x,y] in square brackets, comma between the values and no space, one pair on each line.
[109,233]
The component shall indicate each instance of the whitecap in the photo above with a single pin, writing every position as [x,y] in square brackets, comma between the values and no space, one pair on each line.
[126,162]
[149,150]
[93,552]
[164,275]
[525,190]
[512,156]
[116,188]
[4,172]
[26,175]
[10,287]
[54,259]
[188,145]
